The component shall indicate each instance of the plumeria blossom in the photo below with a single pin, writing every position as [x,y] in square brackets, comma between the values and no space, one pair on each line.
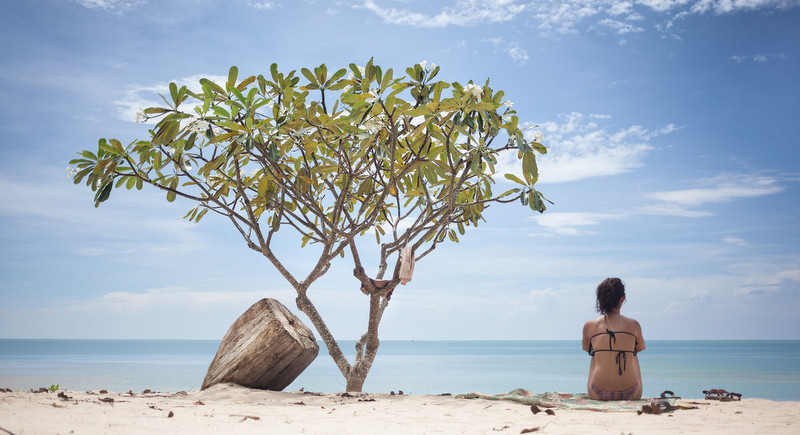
[473,89]
[199,126]
[423,64]
[375,123]
[537,136]
[140,118]
[508,104]
[71,172]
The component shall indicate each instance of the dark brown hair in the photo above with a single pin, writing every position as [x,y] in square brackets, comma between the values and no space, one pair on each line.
[609,293]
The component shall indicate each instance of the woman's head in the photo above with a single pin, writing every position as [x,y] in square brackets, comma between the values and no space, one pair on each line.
[610,293]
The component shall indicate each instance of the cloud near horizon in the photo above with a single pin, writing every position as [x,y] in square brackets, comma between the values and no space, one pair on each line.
[175,297]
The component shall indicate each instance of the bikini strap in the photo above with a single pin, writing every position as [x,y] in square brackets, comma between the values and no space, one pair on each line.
[622,355]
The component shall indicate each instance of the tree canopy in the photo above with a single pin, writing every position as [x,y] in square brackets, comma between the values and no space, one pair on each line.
[333,155]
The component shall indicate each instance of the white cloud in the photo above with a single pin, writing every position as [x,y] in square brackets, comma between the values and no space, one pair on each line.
[665,209]
[261,6]
[663,5]
[570,223]
[734,241]
[176,298]
[463,13]
[563,16]
[116,6]
[758,58]
[767,278]
[560,17]
[139,97]
[580,148]
[724,188]
[721,189]
[731,6]
[518,54]
[514,51]
[620,27]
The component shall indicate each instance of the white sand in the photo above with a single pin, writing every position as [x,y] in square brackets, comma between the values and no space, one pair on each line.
[233,409]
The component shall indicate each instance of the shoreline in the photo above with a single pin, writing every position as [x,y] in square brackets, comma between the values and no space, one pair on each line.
[227,408]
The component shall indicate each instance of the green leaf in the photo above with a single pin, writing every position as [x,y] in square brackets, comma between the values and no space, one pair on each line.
[102,194]
[155,110]
[535,200]
[166,132]
[173,92]
[309,75]
[538,147]
[529,168]
[515,179]
[232,73]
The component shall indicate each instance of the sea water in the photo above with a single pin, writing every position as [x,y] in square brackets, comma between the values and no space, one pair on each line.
[765,369]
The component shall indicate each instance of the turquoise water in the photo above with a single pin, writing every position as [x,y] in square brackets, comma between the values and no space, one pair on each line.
[765,369]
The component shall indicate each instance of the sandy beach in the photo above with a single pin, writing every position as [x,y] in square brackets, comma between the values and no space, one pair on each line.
[233,409]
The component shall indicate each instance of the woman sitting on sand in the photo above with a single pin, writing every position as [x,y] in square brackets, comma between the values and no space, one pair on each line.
[613,341]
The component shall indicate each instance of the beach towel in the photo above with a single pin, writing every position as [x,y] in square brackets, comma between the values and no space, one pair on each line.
[566,401]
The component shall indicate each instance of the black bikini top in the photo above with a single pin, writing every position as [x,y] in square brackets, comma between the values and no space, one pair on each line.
[622,355]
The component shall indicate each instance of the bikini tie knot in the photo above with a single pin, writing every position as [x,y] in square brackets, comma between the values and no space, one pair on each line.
[622,361]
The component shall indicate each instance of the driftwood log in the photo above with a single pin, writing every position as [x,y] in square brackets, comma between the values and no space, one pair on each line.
[267,347]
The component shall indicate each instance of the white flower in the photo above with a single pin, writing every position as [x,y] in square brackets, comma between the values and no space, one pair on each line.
[537,136]
[71,172]
[423,64]
[508,104]
[140,118]
[433,66]
[199,126]
[474,90]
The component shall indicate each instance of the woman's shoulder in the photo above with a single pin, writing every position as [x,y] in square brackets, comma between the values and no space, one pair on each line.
[593,322]
[631,323]
[593,325]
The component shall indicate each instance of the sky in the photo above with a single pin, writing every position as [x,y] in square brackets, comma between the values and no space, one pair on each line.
[673,163]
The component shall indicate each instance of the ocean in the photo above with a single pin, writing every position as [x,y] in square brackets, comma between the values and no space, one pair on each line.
[763,369]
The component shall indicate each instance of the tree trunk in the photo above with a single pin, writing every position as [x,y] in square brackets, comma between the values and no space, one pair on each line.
[267,347]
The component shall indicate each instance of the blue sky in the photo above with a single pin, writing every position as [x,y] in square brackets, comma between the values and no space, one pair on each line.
[674,164]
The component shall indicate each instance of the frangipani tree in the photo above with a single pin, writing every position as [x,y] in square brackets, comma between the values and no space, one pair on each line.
[331,157]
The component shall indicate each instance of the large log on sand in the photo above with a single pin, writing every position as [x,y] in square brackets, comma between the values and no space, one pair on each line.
[267,347]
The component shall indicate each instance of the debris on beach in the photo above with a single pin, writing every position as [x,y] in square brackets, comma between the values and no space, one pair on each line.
[245,417]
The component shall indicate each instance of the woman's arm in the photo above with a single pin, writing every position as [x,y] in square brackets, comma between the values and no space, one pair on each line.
[639,338]
[586,338]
